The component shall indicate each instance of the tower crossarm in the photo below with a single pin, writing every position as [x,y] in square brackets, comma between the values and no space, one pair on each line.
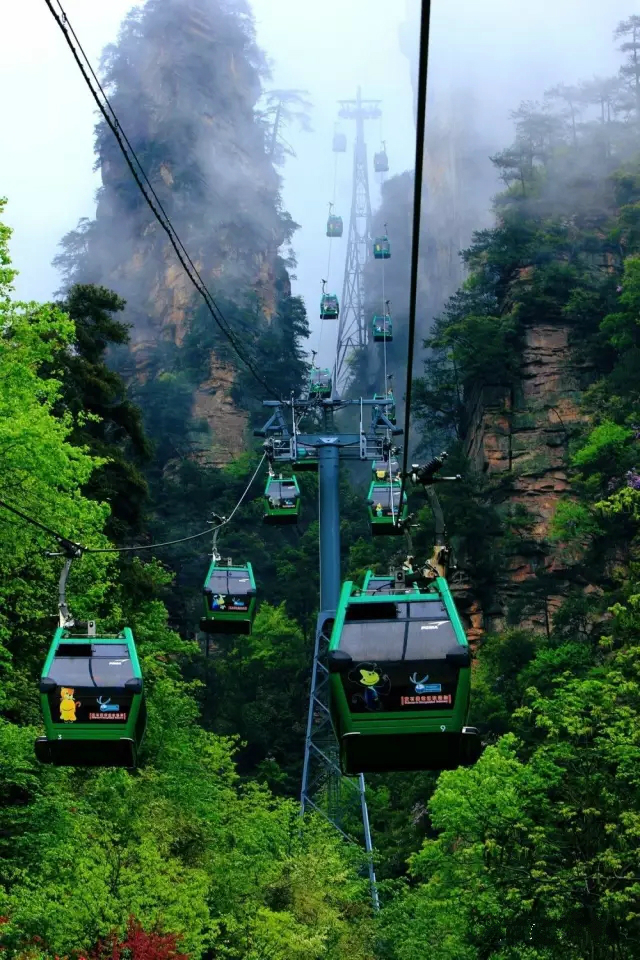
[360,109]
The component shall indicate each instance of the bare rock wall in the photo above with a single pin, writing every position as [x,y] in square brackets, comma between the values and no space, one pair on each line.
[520,434]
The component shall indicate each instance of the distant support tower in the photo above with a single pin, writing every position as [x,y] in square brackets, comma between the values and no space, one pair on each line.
[353,328]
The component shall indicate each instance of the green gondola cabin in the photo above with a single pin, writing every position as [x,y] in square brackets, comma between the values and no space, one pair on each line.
[281,501]
[400,680]
[320,383]
[389,409]
[92,699]
[386,515]
[329,306]
[381,161]
[381,248]
[229,599]
[334,226]
[384,469]
[382,329]
[306,457]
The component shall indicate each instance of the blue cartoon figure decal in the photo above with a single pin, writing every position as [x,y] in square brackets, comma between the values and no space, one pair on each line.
[422,686]
[107,707]
[374,685]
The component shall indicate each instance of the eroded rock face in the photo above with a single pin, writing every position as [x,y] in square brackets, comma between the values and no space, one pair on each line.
[212,402]
[522,433]
[185,81]
[469,608]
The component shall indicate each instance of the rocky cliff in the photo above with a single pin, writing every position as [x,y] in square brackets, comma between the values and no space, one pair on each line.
[519,438]
[184,80]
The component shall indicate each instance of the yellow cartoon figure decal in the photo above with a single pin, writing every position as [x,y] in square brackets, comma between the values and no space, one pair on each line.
[374,683]
[68,705]
[369,678]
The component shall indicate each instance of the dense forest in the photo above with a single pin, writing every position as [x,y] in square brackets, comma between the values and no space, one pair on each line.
[126,419]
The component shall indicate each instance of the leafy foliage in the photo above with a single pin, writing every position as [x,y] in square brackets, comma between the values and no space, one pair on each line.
[180,858]
[531,854]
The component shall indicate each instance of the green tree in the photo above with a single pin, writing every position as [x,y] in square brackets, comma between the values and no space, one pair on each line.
[106,422]
[630,70]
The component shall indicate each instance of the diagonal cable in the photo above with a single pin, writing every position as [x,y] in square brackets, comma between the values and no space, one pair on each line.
[80,549]
[147,190]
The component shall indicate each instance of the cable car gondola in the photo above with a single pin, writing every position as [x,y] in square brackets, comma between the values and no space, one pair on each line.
[306,457]
[386,515]
[93,704]
[381,160]
[382,329]
[389,409]
[281,500]
[384,469]
[339,142]
[400,667]
[229,599]
[381,248]
[320,384]
[329,306]
[334,226]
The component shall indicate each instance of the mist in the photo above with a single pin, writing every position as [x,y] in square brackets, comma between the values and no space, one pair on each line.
[484,59]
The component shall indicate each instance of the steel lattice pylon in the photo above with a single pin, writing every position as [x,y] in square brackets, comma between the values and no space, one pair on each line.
[353,329]
[321,777]
[323,784]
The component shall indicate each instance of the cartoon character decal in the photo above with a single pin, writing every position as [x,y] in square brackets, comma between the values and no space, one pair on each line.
[374,685]
[428,695]
[68,705]
[107,707]
[422,686]
[217,602]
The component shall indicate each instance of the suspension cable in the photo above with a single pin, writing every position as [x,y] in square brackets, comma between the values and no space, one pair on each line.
[330,238]
[415,239]
[225,520]
[148,192]
[151,546]
[385,409]
[65,541]
[384,325]
[119,132]
[79,549]
[246,491]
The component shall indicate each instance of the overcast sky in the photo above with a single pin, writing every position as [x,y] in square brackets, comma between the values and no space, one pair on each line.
[503,50]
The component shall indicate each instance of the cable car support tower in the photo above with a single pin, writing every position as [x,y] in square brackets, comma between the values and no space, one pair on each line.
[353,328]
[322,780]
